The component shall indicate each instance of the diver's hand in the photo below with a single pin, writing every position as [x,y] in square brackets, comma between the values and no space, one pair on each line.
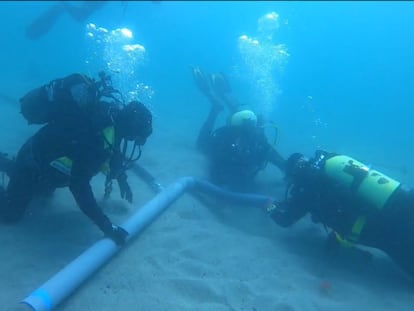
[117,234]
[124,188]
[157,187]
[280,212]
[271,207]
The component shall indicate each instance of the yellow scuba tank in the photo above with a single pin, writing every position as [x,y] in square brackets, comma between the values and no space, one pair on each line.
[371,185]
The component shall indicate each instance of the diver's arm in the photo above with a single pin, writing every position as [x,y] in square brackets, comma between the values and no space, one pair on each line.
[298,203]
[300,199]
[124,188]
[82,192]
[143,173]
[286,213]
[276,159]
[118,171]
[147,177]
[44,22]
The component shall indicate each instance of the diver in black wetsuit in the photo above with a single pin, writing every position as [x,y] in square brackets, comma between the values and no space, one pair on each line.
[360,206]
[238,150]
[82,137]
[44,23]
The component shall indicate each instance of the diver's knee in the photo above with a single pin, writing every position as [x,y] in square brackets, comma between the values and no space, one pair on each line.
[9,219]
[7,214]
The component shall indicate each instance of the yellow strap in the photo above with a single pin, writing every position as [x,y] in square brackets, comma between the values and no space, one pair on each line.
[355,233]
[109,136]
[62,164]
[105,168]
[342,241]
[357,228]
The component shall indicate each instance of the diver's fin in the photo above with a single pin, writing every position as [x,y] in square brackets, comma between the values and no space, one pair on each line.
[202,81]
[43,23]
[220,84]
[81,12]
[231,103]
[222,90]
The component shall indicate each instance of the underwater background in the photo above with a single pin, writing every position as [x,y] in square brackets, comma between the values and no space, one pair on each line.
[331,75]
[344,84]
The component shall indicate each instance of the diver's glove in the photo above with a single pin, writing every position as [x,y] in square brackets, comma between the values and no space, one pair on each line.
[124,188]
[279,212]
[116,233]
[157,187]
[271,206]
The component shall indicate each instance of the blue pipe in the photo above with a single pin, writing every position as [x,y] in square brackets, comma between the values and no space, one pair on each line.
[62,284]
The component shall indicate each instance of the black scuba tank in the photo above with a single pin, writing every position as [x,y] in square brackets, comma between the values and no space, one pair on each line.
[44,104]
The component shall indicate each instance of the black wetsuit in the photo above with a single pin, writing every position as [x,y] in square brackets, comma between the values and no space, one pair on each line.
[390,228]
[235,155]
[32,173]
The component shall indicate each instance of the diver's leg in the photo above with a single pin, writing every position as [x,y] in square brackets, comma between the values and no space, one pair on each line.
[17,197]
[398,238]
[44,22]
[20,189]
[403,257]
[207,128]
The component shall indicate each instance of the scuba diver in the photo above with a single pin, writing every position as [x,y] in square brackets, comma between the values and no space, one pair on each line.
[87,129]
[236,151]
[358,205]
[45,22]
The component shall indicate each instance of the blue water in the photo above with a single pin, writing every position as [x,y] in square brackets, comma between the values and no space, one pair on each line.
[347,85]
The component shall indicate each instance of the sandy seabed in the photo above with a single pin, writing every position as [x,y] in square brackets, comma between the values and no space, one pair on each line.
[196,255]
